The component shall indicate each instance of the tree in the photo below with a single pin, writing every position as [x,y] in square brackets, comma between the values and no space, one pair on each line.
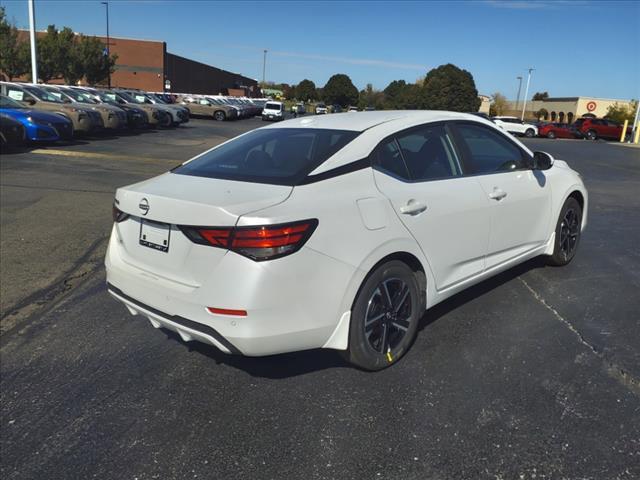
[448,87]
[71,61]
[369,97]
[540,96]
[50,55]
[340,90]
[620,113]
[97,66]
[393,94]
[306,90]
[14,55]
[288,91]
[498,104]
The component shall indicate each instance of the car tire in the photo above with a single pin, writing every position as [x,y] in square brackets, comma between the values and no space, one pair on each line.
[568,232]
[167,121]
[529,133]
[592,135]
[551,135]
[219,116]
[384,317]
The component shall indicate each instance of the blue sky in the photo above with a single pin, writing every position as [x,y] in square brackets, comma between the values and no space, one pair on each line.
[576,47]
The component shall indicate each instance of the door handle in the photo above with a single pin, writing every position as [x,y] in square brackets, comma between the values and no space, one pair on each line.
[497,194]
[413,208]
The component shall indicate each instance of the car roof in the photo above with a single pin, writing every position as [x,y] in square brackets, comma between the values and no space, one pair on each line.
[361,121]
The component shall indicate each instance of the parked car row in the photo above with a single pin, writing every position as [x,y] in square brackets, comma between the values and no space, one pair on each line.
[220,107]
[586,127]
[48,113]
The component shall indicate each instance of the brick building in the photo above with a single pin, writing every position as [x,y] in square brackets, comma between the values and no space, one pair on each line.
[146,65]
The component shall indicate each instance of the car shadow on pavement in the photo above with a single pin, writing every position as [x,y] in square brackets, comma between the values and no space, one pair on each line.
[300,363]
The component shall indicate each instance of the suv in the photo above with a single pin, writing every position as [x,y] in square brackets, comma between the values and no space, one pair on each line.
[32,96]
[178,113]
[157,117]
[273,111]
[516,126]
[210,108]
[136,117]
[594,128]
[321,109]
[112,117]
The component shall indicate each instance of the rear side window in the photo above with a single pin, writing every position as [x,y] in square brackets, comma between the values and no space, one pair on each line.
[488,151]
[428,154]
[280,156]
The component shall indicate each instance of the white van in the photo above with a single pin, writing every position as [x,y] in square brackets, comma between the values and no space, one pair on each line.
[273,111]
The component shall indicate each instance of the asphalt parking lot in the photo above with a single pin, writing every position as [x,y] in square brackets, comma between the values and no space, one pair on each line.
[532,374]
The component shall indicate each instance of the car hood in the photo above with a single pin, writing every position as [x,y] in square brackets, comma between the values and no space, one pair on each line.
[20,114]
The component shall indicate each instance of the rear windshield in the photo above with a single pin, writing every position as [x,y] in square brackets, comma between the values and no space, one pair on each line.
[273,106]
[280,156]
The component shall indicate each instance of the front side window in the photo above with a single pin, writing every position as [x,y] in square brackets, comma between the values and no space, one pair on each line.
[6,102]
[44,95]
[428,154]
[282,156]
[488,151]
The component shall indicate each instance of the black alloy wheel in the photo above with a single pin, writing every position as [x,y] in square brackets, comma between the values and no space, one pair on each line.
[568,232]
[384,317]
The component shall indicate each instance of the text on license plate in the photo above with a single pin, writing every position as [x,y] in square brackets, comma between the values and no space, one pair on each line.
[155,235]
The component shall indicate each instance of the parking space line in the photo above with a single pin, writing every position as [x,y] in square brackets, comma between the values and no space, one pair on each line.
[105,156]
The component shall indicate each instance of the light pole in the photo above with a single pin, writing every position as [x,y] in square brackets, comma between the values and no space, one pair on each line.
[264,67]
[518,96]
[32,38]
[526,92]
[106,4]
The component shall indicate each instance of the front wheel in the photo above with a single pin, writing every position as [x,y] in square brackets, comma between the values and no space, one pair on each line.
[551,135]
[529,133]
[219,116]
[592,135]
[568,230]
[167,121]
[384,317]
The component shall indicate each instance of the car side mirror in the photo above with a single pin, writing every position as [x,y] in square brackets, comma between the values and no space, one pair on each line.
[30,101]
[542,161]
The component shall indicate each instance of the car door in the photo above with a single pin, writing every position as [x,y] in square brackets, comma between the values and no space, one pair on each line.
[520,197]
[447,213]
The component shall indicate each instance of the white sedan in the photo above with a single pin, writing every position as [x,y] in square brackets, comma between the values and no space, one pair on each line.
[337,231]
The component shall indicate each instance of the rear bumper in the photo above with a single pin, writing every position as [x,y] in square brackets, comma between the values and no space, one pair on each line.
[292,303]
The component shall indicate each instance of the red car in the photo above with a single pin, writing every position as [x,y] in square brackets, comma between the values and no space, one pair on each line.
[555,130]
[593,128]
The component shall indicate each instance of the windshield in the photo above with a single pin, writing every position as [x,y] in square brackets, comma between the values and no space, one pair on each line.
[6,102]
[78,96]
[129,98]
[280,156]
[273,106]
[43,95]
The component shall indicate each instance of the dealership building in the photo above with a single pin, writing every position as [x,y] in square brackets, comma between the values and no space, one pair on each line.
[146,65]
[564,109]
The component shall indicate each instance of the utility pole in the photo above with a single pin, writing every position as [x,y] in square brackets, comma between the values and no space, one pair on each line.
[106,4]
[264,68]
[32,37]
[518,96]
[526,93]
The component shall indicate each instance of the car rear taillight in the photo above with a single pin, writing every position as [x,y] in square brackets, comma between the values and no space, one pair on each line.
[118,215]
[264,242]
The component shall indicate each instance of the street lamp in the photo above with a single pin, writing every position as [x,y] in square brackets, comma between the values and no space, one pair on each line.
[264,67]
[526,92]
[518,96]
[106,4]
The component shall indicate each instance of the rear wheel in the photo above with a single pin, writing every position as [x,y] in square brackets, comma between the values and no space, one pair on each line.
[568,230]
[529,133]
[219,115]
[384,317]
[551,134]
[592,135]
